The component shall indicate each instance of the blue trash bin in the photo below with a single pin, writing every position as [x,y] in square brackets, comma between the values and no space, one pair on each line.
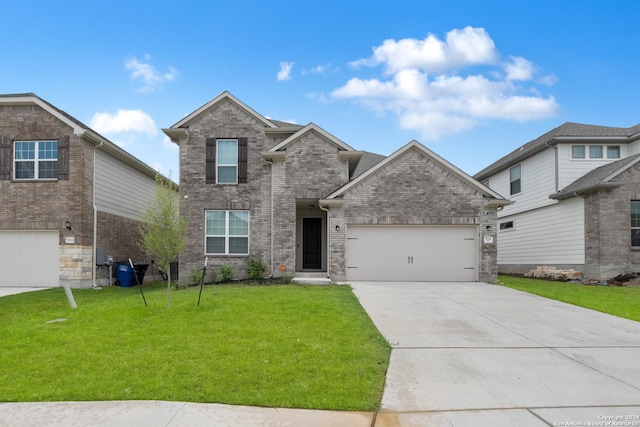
[124,275]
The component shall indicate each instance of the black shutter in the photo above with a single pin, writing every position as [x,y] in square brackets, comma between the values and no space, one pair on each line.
[63,157]
[242,160]
[211,161]
[5,158]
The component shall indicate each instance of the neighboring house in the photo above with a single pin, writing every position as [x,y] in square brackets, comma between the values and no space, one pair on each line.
[65,192]
[577,201]
[303,201]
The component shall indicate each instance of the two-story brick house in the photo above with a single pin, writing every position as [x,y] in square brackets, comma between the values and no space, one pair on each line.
[301,200]
[576,194]
[65,191]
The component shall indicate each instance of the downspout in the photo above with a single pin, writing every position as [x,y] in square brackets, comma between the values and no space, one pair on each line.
[95,218]
[328,240]
[270,163]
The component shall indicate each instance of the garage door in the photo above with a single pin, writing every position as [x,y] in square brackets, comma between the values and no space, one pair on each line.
[29,258]
[412,253]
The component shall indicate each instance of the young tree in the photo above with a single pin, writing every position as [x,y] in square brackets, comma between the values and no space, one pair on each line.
[163,229]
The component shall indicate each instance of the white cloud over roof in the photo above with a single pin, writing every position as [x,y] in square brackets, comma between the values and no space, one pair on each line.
[425,85]
[123,121]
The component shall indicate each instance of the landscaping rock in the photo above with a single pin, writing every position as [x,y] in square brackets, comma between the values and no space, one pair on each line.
[553,273]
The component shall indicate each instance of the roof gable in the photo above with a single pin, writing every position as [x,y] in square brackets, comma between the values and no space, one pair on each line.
[415,145]
[311,127]
[215,101]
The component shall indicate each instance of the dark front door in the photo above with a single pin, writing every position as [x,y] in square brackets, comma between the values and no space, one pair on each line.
[312,243]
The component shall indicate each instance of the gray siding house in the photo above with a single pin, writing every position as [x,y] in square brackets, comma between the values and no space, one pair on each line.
[576,194]
[307,204]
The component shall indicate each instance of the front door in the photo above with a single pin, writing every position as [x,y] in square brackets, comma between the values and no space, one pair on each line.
[312,243]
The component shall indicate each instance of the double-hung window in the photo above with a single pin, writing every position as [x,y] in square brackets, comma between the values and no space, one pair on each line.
[635,223]
[227,232]
[515,180]
[227,158]
[35,160]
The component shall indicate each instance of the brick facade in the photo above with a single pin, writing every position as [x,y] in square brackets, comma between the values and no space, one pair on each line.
[226,120]
[46,205]
[284,188]
[416,190]
[607,227]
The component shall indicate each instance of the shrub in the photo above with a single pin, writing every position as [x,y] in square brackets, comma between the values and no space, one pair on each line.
[225,273]
[256,268]
[195,277]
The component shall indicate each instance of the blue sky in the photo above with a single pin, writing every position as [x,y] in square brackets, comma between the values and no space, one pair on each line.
[471,80]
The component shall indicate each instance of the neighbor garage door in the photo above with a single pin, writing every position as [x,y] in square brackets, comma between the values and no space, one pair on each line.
[29,258]
[412,253]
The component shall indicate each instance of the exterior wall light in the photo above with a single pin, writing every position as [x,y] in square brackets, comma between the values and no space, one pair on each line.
[337,228]
[67,225]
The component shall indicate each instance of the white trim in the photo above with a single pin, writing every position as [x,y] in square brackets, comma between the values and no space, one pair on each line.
[35,160]
[218,164]
[226,231]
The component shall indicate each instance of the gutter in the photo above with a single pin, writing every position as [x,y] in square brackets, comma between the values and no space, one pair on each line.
[95,218]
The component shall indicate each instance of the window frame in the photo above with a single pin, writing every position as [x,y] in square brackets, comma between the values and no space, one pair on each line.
[584,151]
[506,225]
[635,223]
[227,233]
[227,165]
[591,156]
[616,147]
[37,160]
[512,181]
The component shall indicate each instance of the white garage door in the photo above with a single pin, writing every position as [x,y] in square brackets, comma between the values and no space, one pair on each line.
[412,253]
[29,258]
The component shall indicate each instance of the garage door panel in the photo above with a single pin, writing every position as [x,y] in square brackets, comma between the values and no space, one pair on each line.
[30,258]
[412,253]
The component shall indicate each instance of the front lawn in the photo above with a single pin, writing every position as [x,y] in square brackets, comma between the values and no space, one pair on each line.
[617,300]
[278,346]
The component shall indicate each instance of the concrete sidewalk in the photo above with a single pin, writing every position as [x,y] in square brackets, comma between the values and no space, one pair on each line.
[473,354]
[168,414]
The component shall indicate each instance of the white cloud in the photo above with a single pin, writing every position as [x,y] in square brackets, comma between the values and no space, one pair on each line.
[123,121]
[519,68]
[168,144]
[147,73]
[319,69]
[424,84]
[461,48]
[285,70]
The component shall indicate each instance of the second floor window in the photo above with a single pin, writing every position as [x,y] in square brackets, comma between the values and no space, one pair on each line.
[515,180]
[227,158]
[35,160]
[613,151]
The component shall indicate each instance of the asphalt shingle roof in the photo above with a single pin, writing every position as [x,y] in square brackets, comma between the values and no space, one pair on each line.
[566,130]
[596,178]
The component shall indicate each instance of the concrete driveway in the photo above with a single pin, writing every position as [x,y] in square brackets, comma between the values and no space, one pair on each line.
[474,354]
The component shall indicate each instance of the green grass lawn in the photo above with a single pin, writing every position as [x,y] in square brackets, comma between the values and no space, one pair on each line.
[278,346]
[619,301]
